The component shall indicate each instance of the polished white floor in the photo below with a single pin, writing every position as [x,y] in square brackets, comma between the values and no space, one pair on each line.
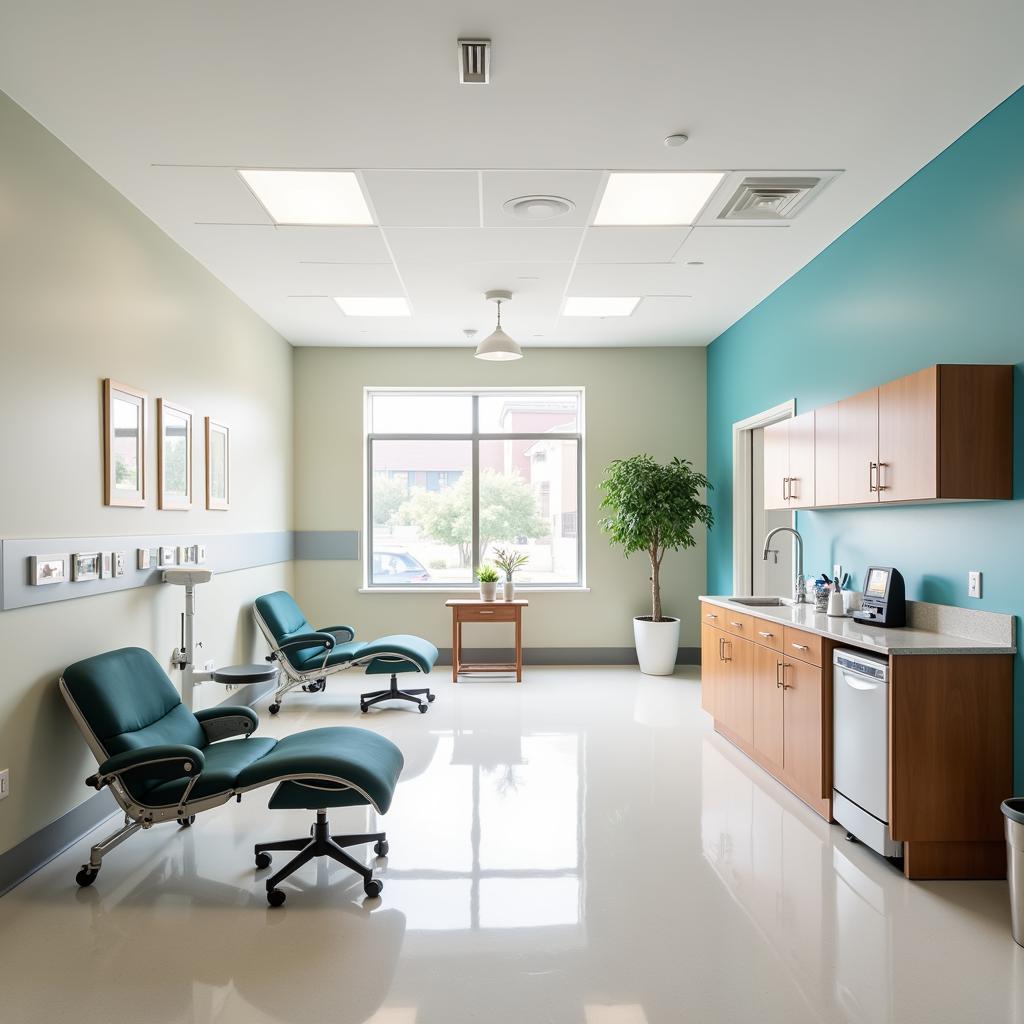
[580,849]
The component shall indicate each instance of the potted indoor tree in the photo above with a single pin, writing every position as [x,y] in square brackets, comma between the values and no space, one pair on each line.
[654,508]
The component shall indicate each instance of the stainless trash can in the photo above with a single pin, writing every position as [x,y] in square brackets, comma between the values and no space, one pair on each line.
[1013,815]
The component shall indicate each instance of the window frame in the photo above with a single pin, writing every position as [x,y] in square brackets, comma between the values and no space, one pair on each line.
[474,437]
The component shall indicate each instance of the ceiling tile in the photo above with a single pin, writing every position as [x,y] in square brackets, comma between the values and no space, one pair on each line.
[632,245]
[579,187]
[490,245]
[632,279]
[425,198]
[204,194]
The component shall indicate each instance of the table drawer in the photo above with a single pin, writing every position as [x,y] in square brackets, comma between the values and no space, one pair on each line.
[802,646]
[768,634]
[738,625]
[499,613]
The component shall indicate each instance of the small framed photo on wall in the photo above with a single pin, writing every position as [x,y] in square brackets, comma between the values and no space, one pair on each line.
[174,455]
[86,566]
[124,445]
[46,569]
[218,465]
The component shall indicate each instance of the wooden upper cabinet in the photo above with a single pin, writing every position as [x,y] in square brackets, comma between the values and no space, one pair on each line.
[776,465]
[826,455]
[857,428]
[789,463]
[908,437]
[801,461]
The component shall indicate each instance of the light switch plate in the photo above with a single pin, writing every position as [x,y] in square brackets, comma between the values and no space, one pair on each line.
[142,559]
[5,783]
[974,583]
[167,555]
[106,565]
[119,563]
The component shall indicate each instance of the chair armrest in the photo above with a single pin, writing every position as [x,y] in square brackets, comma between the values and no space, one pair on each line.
[339,629]
[177,759]
[317,639]
[221,722]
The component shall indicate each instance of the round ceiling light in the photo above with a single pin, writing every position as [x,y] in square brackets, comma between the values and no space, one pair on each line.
[539,207]
[676,139]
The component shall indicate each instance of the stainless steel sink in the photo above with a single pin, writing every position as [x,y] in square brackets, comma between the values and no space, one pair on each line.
[761,602]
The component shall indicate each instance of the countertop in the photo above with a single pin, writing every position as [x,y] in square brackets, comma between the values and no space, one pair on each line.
[905,640]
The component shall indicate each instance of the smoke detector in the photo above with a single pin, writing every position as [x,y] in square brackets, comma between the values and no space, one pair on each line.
[474,61]
[539,207]
[769,199]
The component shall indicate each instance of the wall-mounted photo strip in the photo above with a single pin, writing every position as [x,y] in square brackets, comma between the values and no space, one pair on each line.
[218,465]
[86,566]
[124,445]
[174,455]
[46,569]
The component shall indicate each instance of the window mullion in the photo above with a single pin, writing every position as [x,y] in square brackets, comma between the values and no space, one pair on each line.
[475,514]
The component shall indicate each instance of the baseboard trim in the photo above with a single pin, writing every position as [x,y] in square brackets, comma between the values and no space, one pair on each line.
[563,655]
[25,859]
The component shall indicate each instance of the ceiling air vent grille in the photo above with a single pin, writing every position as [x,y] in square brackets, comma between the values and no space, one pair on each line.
[769,199]
[474,61]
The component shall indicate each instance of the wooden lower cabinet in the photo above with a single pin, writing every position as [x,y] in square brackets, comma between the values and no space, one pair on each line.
[803,729]
[734,687]
[710,659]
[768,712]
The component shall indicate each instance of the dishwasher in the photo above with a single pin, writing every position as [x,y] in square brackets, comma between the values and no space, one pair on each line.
[860,750]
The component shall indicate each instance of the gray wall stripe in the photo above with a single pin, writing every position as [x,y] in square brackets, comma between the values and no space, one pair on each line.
[41,847]
[225,552]
[327,545]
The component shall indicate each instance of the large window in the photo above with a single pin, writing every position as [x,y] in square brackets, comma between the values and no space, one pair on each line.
[453,476]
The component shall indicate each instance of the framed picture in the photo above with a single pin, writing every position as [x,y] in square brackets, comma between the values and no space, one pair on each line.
[46,569]
[174,455]
[124,444]
[86,566]
[218,465]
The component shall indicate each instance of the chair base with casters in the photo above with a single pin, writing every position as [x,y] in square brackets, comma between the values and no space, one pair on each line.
[307,656]
[163,762]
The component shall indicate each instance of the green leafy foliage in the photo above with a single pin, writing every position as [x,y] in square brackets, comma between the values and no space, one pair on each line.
[487,573]
[654,508]
[509,561]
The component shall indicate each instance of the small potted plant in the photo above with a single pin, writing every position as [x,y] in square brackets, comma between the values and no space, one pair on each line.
[508,562]
[654,508]
[488,578]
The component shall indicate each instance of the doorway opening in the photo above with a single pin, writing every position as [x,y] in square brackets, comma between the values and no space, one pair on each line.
[751,574]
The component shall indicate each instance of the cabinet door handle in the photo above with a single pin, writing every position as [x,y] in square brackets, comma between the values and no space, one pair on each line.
[778,666]
[879,486]
[872,466]
[724,642]
[486,611]
[793,493]
[785,685]
[721,640]
[738,625]
[785,488]
[708,615]
[801,647]
[767,636]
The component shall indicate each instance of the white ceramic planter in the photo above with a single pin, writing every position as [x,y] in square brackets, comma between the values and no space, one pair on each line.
[510,590]
[657,644]
[488,590]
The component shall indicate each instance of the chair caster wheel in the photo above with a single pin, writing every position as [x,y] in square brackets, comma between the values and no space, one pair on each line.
[187,822]
[263,860]
[372,887]
[423,709]
[431,697]
[381,848]
[274,708]
[87,875]
[275,897]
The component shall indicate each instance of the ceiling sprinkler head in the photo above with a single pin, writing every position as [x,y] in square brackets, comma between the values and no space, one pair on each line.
[676,139]
[470,333]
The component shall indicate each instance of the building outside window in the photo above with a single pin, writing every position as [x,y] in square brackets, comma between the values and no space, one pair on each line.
[455,475]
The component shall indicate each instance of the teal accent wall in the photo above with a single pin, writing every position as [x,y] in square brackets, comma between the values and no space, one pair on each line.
[934,273]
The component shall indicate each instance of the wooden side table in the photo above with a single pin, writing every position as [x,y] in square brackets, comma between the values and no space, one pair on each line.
[475,610]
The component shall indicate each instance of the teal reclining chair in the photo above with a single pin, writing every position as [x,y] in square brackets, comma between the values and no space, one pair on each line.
[307,656]
[164,763]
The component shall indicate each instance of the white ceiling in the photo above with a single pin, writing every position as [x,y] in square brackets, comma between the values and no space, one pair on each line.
[166,100]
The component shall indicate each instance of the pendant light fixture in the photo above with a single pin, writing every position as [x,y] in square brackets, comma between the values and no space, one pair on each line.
[498,347]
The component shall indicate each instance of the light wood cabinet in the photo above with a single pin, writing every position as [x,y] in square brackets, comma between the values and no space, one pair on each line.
[709,662]
[789,463]
[768,712]
[803,751]
[944,433]
[734,687]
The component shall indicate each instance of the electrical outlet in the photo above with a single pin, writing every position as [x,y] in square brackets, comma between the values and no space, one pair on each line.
[974,583]
[5,783]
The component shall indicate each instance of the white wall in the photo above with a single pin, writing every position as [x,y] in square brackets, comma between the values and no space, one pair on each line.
[638,400]
[89,288]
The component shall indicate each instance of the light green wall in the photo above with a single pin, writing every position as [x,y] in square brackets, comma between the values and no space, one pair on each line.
[90,288]
[638,400]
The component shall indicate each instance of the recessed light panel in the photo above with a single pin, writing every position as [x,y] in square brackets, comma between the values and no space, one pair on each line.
[310,197]
[373,306]
[600,306]
[673,198]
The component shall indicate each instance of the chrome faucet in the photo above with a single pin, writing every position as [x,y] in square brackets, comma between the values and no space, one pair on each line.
[798,581]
